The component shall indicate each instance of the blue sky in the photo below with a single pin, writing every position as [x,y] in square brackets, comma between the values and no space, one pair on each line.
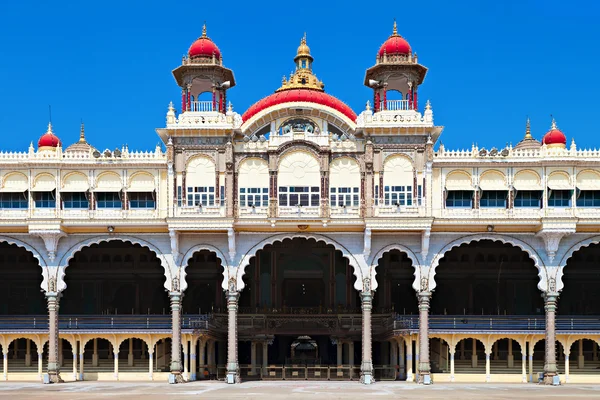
[491,63]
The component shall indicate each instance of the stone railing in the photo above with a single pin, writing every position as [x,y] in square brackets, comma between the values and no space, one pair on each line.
[123,155]
[299,212]
[397,118]
[200,212]
[509,152]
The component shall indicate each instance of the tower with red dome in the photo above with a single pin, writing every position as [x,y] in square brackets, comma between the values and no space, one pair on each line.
[49,141]
[396,75]
[202,71]
[555,137]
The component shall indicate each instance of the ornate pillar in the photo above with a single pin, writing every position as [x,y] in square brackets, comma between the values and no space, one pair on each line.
[151,363]
[81,352]
[53,364]
[265,356]
[487,366]
[202,356]
[339,348]
[253,357]
[550,370]
[401,359]
[176,338]
[510,359]
[452,351]
[186,374]
[524,363]
[424,368]
[5,363]
[233,374]
[193,359]
[409,360]
[75,349]
[116,357]
[41,364]
[95,354]
[567,366]
[366,369]
[130,354]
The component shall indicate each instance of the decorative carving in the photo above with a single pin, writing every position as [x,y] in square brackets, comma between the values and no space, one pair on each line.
[175,284]
[552,238]
[50,239]
[424,284]
[367,286]
[199,141]
[551,285]
[232,285]
[52,284]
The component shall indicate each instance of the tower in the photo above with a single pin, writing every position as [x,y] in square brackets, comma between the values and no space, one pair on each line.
[396,70]
[201,72]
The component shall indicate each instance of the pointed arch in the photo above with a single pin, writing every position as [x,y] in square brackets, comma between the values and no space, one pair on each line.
[190,253]
[241,268]
[569,253]
[69,254]
[403,249]
[535,257]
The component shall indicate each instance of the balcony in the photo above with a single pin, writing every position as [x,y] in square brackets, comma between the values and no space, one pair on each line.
[394,105]
[299,212]
[398,211]
[345,212]
[253,212]
[200,211]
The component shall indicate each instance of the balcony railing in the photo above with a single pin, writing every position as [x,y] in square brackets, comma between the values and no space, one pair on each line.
[299,211]
[394,105]
[200,212]
[200,106]
[495,323]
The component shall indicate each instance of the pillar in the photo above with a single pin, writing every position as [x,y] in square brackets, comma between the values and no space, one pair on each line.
[462,349]
[510,359]
[265,357]
[487,366]
[27,352]
[5,363]
[567,366]
[151,363]
[193,361]
[424,367]
[186,374]
[202,356]
[211,355]
[401,360]
[474,355]
[61,354]
[116,358]
[40,364]
[550,370]
[233,375]
[452,366]
[394,354]
[95,354]
[75,355]
[53,362]
[524,363]
[253,358]
[409,360]
[366,369]
[531,345]
[81,353]
[176,337]
[130,354]
[580,358]
[416,355]
[339,347]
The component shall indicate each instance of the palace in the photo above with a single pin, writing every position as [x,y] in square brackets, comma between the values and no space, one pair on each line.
[301,241]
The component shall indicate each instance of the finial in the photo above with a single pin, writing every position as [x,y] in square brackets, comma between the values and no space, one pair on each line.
[204,30]
[171,106]
[49,127]
[303,40]
[428,105]
[528,129]
[395,30]
[82,133]
[553,124]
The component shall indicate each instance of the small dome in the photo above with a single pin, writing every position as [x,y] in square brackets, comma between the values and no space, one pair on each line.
[203,47]
[81,146]
[555,137]
[395,44]
[49,139]
[303,49]
[528,141]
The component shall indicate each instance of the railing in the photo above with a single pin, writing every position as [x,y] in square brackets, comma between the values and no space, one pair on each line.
[299,211]
[253,211]
[394,105]
[498,323]
[200,106]
[345,212]
[200,212]
[390,211]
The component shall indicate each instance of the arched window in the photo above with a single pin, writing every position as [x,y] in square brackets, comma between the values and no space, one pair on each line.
[398,182]
[299,180]
[344,183]
[253,183]
[200,182]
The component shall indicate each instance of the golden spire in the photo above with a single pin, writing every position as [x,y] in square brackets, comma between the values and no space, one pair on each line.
[302,77]
[395,30]
[528,130]
[204,30]
[303,49]
[82,134]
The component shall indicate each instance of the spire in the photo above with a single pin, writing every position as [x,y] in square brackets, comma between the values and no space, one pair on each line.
[395,30]
[82,134]
[50,128]
[528,129]
[204,30]
[553,126]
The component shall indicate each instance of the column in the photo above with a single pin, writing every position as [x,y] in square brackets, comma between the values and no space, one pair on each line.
[5,363]
[550,370]
[212,356]
[53,365]
[474,355]
[202,343]
[366,369]
[567,353]
[27,352]
[176,338]
[487,366]
[524,362]
[531,361]
[60,353]
[81,353]
[401,360]
[232,344]
[265,358]
[193,361]
[580,358]
[253,358]
[462,349]
[339,347]
[151,363]
[510,358]
[452,365]
[95,354]
[424,368]
[116,358]
[416,355]
[394,354]
[409,360]
[130,354]
[186,374]
[351,357]
[75,354]
[40,364]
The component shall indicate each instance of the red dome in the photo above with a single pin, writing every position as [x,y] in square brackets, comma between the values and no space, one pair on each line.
[204,47]
[395,44]
[49,139]
[554,136]
[299,95]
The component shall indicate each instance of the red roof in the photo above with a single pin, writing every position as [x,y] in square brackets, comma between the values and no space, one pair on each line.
[204,47]
[395,44]
[554,136]
[299,95]
[49,139]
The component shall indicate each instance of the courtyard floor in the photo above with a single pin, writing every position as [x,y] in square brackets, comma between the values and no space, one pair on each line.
[292,390]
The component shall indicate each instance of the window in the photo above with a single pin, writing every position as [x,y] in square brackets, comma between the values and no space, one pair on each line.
[459,199]
[44,199]
[108,200]
[13,200]
[299,195]
[493,198]
[376,195]
[141,200]
[344,196]
[257,197]
[559,198]
[201,195]
[179,194]
[588,198]
[528,198]
[222,197]
[78,200]
[398,195]
[419,195]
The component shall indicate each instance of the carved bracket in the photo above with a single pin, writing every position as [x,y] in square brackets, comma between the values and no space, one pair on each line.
[367,243]
[174,236]
[50,239]
[231,241]
[425,243]
[552,238]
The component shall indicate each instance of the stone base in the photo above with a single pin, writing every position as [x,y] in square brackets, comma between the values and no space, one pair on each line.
[52,377]
[176,377]
[366,378]
[551,379]
[425,378]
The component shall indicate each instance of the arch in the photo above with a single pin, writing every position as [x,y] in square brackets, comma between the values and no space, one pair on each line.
[15,182]
[458,180]
[190,253]
[559,180]
[588,179]
[568,254]
[298,168]
[28,247]
[75,182]
[409,253]
[253,172]
[527,179]
[344,171]
[493,179]
[200,171]
[142,181]
[109,181]
[245,261]
[70,253]
[44,182]
[537,260]
[398,169]
[495,339]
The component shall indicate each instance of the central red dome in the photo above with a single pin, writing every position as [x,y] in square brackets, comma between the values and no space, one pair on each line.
[204,47]
[49,139]
[299,95]
[394,45]
[554,136]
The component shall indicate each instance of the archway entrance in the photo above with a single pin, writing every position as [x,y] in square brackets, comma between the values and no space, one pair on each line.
[580,295]
[299,313]
[20,282]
